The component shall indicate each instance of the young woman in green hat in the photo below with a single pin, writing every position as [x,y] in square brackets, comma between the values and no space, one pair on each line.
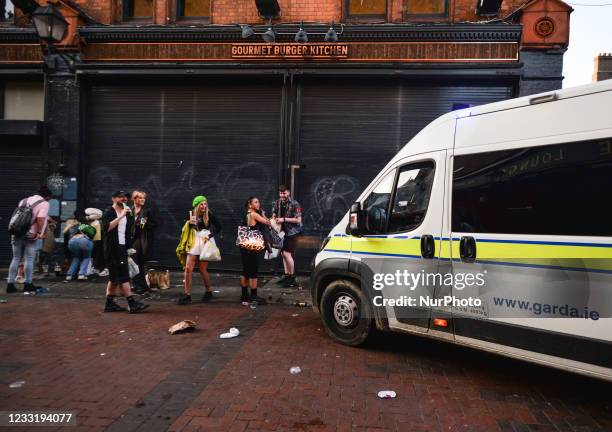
[201,227]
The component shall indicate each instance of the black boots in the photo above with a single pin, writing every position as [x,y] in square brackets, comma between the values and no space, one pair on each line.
[256,299]
[134,306]
[289,282]
[183,300]
[111,306]
[245,297]
[11,288]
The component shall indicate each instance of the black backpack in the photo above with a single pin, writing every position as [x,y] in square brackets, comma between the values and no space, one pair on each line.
[21,220]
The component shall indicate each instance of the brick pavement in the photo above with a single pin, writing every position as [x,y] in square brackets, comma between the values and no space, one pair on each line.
[149,380]
[227,285]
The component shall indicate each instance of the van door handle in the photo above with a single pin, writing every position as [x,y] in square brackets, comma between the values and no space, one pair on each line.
[467,248]
[428,246]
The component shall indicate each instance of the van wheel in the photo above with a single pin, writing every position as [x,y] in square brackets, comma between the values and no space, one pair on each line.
[346,314]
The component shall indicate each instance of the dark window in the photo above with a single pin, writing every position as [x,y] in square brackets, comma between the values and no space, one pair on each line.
[559,189]
[193,9]
[411,196]
[137,9]
[426,8]
[376,205]
[366,8]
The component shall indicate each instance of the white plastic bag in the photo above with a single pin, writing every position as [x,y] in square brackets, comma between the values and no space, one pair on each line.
[210,251]
[271,255]
[132,267]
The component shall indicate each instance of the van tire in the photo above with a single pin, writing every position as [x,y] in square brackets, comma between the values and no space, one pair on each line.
[346,314]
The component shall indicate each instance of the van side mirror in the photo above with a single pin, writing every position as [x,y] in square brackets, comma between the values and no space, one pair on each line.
[356,220]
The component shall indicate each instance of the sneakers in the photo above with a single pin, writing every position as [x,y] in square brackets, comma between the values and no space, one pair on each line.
[82,278]
[289,282]
[11,288]
[282,280]
[111,306]
[134,306]
[103,273]
[184,299]
[208,295]
[68,279]
[28,287]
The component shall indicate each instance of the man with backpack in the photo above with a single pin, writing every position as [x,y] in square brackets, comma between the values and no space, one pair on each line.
[27,228]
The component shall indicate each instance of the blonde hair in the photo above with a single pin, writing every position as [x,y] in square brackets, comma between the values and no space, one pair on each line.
[137,192]
[205,216]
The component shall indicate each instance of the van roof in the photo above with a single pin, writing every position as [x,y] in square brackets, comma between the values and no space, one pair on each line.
[435,135]
[570,92]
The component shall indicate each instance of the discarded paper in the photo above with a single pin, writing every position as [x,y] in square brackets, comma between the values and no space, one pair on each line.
[233,332]
[183,326]
[17,384]
[386,394]
[295,370]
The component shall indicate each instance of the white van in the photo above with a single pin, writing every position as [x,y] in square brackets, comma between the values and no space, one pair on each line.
[492,228]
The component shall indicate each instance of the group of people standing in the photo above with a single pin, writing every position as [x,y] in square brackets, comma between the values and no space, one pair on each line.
[110,234]
[203,226]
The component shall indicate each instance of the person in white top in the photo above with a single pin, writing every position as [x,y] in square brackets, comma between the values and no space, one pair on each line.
[116,227]
[26,246]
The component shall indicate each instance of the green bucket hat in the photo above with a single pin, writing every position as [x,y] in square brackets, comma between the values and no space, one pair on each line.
[198,200]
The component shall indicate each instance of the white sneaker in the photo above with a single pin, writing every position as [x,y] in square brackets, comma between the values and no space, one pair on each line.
[103,273]
[68,279]
[82,277]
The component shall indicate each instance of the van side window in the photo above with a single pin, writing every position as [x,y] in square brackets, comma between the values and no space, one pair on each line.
[561,189]
[376,205]
[411,196]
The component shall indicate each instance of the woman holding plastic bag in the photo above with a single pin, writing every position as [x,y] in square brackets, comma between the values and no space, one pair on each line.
[198,245]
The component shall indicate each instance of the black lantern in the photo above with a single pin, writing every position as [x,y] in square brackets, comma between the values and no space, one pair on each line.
[50,24]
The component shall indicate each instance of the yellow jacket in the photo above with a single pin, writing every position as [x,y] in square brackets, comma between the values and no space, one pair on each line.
[186,243]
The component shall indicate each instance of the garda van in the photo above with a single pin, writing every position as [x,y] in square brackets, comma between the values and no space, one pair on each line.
[491,228]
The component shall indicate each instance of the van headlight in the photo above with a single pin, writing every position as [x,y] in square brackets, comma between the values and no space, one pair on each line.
[324,243]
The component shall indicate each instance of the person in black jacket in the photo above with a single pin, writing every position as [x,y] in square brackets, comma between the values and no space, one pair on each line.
[142,234]
[206,226]
[117,223]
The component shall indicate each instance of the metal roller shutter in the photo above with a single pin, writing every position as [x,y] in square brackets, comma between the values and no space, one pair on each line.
[349,130]
[221,139]
[20,176]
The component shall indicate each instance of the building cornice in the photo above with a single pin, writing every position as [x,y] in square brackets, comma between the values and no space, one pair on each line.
[498,32]
[11,34]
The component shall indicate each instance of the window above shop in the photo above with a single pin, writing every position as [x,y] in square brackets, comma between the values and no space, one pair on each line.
[22,101]
[193,9]
[366,8]
[137,9]
[423,9]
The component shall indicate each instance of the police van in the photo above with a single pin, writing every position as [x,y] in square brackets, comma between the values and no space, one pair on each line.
[491,228]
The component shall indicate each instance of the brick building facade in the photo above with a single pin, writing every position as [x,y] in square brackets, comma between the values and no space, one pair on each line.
[168,96]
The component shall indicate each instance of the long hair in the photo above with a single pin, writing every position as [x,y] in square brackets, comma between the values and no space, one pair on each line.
[205,215]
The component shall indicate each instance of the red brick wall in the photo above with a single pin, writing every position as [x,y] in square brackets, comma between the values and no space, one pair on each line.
[101,10]
[244,11]
[465,10]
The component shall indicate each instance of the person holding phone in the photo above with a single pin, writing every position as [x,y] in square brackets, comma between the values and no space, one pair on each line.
[200,228]
[117,222]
